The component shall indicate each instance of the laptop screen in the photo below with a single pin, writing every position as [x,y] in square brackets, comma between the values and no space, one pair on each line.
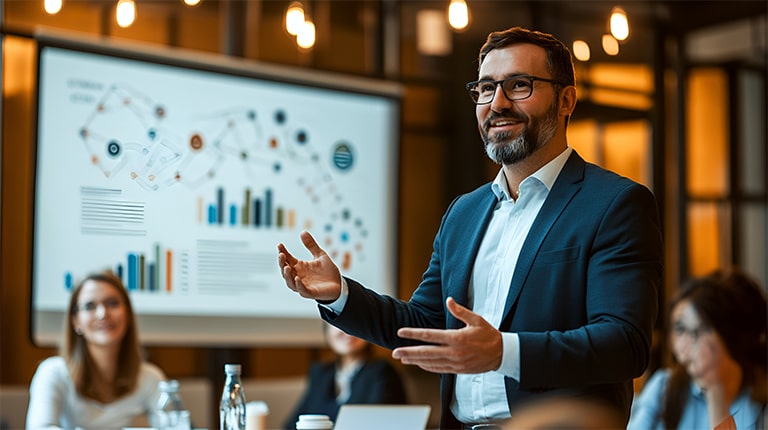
[382,417]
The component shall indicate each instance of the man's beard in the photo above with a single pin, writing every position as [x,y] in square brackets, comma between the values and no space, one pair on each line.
[504,148]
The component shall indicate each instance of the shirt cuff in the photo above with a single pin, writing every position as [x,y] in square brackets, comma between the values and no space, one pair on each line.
[337,306]
[510,356]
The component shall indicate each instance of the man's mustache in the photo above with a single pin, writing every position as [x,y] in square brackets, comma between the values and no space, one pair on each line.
[510,115]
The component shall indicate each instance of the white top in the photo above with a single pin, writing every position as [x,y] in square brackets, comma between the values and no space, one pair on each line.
[54,403]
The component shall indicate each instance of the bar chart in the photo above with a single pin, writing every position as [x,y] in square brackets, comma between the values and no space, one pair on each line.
[247,210]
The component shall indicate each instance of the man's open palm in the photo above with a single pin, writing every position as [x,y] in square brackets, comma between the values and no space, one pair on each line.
[317,279]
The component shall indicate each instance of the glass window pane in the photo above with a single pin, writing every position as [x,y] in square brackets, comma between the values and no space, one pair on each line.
[709,242]
[754,237]
[707,131]
[752,175]
[627,150]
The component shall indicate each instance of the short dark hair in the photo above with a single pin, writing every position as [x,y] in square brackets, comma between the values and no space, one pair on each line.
[559,60]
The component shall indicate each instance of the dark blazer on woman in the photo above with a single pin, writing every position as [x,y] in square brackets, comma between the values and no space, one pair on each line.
[376,382]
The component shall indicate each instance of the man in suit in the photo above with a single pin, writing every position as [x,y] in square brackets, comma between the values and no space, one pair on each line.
[542,282]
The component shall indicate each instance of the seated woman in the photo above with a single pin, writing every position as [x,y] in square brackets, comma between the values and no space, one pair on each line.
[354,378]
[100,380]
[718,338]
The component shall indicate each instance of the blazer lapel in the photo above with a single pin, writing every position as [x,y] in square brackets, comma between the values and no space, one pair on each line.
[473,233]
[568,183]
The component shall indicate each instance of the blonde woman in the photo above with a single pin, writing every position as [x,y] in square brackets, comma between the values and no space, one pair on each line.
[100,380]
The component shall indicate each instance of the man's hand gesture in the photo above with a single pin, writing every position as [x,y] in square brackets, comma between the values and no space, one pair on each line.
[317,279]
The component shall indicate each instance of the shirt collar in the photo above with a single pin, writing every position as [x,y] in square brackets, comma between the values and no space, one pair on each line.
[547,174]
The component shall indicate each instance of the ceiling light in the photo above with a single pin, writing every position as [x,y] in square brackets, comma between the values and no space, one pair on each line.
[306,36]
[581,50]
[191,2]
[52,7]
[619,24]
[294,18]
[125,13]
[458,14]
[610,45]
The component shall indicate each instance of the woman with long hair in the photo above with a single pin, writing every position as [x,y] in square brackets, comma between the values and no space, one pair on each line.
[718,340]
[99,380]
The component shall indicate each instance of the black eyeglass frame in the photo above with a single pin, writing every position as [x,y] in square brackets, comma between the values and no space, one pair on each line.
[501,82]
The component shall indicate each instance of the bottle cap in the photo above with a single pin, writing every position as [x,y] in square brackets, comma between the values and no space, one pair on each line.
[232,369]
[169,386]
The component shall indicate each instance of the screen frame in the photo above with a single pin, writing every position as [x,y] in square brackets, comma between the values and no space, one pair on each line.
[45,327]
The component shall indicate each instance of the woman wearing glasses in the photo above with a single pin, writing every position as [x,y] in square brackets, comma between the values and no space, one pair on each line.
[718,339]
[100,380]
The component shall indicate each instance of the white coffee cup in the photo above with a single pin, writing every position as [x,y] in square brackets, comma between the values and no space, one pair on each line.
[256,415]
[314,422]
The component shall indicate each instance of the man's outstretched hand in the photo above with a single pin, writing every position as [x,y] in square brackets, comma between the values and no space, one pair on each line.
[317,279]
[474,348]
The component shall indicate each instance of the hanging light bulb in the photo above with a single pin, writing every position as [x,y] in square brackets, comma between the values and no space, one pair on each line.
[306,36]
[458,14]
[581,50]
[191,2]
[294,18]
[52,7]
[125,13]
[610,45]
[619,24]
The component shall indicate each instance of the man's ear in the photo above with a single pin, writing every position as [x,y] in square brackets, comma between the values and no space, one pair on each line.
[567,101]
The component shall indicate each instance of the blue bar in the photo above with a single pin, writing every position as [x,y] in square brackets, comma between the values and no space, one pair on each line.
[152,273]
[119,272]
[220,205]
[68,281]
[268,208]
[211,214]
[133,271]
[257,212]
[142,274]
[232,215]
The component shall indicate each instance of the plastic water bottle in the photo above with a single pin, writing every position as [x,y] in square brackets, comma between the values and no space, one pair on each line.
[232,406]
[170,413]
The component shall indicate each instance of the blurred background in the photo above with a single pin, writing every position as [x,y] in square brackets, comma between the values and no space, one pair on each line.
[674,99]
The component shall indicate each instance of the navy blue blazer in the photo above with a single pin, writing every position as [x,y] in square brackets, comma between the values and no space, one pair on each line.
[583,297]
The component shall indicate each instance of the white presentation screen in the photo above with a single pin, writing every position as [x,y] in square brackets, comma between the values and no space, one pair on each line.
[182,172]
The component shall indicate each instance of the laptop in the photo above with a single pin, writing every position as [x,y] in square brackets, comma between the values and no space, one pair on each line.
[382,417]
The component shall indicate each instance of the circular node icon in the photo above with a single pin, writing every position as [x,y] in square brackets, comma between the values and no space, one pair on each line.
[280,117]
[84,132]
[160,112]
[243,155]
[196,142]
[152,133]
[277,167]
[343,158]
[114,149]
[344,237]
[301,137]
[251,114]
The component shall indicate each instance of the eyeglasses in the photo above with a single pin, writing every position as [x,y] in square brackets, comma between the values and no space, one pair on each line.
[518,87]
[680,330]
[108,304]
